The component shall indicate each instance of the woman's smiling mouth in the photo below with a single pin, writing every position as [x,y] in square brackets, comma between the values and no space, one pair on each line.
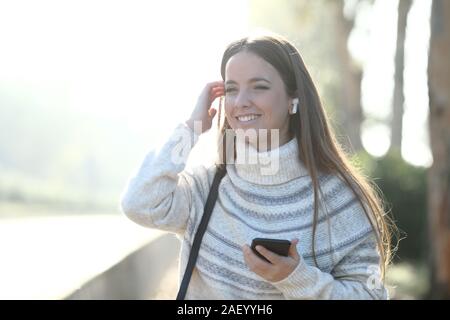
[248,118]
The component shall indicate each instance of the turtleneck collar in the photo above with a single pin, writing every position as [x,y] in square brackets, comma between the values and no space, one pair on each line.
[276,166]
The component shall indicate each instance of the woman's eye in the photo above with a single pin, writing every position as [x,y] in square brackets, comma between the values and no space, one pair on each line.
[258,87]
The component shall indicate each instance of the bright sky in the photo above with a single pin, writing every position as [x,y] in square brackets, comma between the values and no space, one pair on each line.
[145,63]
[140,61]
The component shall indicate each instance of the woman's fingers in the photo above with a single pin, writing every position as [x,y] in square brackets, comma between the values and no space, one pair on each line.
[215,86]
[203,111]
[212,112]
[293,249]
[269,255]
[215,95]
[214,83]
[218,91]
[218,94]
[218,87]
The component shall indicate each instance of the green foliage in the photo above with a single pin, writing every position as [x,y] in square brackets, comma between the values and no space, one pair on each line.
[404,189]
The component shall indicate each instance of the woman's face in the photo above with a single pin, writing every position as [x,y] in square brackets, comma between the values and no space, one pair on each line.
[255,96]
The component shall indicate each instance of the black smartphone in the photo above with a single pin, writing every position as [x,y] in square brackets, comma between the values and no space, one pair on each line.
[277,246]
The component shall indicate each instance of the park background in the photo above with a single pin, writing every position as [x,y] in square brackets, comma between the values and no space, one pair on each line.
[87,88]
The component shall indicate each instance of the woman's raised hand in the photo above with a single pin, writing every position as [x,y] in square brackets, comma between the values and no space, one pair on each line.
[203,113]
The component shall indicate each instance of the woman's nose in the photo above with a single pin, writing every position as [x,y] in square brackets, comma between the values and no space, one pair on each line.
[242,100]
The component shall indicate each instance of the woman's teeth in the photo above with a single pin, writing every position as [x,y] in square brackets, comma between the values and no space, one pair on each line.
[248,118]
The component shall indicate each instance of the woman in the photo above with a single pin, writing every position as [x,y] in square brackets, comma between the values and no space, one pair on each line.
[312,196]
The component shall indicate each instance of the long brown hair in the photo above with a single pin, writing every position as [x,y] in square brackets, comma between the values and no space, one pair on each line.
[320,150]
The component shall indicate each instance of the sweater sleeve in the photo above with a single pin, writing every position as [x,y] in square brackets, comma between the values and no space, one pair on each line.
[355,277]
[159,195]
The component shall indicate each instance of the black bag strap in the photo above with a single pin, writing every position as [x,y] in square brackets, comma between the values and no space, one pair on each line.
[210,202]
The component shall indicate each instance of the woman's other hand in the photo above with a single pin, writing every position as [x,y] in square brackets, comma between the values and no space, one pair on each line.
[279,268]
[203,113]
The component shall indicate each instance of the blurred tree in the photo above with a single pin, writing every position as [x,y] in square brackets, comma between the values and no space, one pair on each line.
[397,109]
[439,123]
[350,116]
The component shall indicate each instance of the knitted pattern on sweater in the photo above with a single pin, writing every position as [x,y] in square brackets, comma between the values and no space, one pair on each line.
[163,194]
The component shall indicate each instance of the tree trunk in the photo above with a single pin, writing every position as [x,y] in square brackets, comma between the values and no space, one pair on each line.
[399,99]
[439,173]
[349,108]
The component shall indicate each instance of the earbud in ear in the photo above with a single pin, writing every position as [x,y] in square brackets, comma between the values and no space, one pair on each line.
[294,106]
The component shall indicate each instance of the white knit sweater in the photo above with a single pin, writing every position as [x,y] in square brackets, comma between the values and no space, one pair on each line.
[164,194]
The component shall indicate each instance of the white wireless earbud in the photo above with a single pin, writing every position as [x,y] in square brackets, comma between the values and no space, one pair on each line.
[294,106]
